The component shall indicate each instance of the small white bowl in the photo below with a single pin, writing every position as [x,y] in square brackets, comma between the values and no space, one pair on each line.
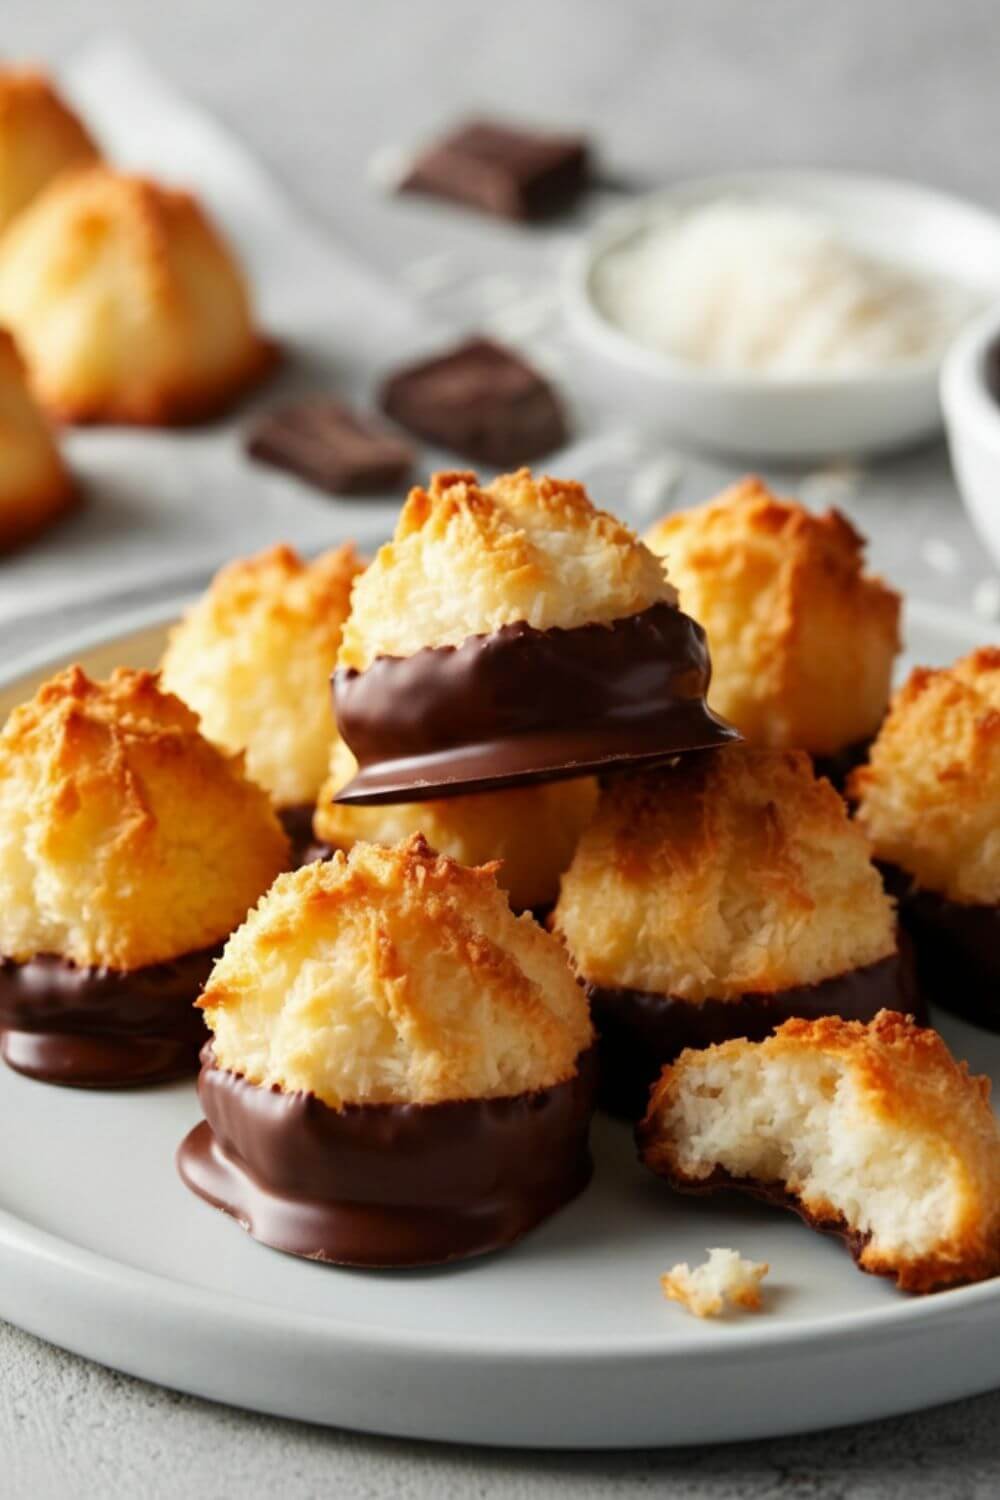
[781,417]
[972,419]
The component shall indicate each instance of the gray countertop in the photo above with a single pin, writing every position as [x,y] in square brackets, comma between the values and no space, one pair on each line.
[669,88]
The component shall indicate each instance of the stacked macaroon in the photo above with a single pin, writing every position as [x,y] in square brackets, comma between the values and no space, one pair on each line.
[402,1069]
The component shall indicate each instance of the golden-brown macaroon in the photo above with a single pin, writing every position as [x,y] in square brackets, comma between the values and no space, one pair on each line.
[802,638]
[870,1131]
[35,485]
[929,800]
[40,137]
[130,848]
[384,1015]
[127,303]
[512,631]
[530,831]
[253,658]
[716,897]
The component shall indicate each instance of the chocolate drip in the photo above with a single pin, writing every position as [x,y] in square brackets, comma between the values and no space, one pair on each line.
[95,1027]
[388,1184]
[640,1032]
[957,947]
[522,704]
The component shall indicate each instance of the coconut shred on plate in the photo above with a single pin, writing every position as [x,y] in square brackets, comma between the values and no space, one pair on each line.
[755,287]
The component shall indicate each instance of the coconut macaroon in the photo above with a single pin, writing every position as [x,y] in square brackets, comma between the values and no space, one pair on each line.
[35,485]
[130,848]
[401,1069]
[127,303]
[929,800]
[253,658]
[530,831]
[512,632]
[802,638]
[716,897]
[870,1131]
[40,137]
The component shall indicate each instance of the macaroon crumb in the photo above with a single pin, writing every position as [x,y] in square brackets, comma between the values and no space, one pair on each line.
[725,1280]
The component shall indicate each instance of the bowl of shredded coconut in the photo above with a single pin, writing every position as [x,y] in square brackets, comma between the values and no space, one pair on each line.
[786,314]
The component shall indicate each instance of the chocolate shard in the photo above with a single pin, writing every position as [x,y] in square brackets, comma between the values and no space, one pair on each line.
[641,1032]
[330,446]
[521,704]
[501,170]
[388,1184]
[479,400]
[91,1027]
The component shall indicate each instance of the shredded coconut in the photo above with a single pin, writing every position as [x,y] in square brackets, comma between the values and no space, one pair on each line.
[756,286]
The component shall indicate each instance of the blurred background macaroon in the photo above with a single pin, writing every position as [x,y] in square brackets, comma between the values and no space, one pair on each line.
[36,487]
[127,302]
[40,137]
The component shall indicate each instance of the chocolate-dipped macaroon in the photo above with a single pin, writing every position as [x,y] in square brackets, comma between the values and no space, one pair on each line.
[802,638]
[530,831]
[929,800]
[870,1132]
[253,658]
[512,632]
[130,848]
[715,898]
[401,1071]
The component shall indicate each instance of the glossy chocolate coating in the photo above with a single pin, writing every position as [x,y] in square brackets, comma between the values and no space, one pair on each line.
[522,705]
[388,1184]
[641,1032]
[102,1028]
[957,948]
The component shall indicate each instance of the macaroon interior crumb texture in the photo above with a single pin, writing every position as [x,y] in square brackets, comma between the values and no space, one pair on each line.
[873,1130]
[802,1124]
[725,1278]
[467,559]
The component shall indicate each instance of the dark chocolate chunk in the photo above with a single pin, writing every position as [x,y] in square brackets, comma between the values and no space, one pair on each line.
[640,1032]
[93,1027]
[328,445]
[388,1184]
[515,174]
[479,400]
[521,704]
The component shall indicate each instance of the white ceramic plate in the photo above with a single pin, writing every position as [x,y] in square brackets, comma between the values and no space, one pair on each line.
[563,1341]
[773,416]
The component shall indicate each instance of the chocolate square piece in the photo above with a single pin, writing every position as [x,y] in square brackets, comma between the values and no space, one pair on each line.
[515,174]
[481,401]
[327,444]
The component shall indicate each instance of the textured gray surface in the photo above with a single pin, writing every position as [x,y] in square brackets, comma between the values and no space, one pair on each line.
[669,87]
